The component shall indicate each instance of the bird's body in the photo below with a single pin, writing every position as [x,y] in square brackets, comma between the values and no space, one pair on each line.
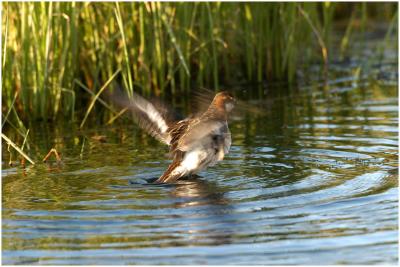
[195,143]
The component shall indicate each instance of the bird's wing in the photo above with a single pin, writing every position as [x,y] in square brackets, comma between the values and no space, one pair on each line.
[200,100]
[154,119]
[177,131]
[197,133]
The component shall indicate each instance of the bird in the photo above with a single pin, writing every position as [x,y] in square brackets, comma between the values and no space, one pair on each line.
[195,142]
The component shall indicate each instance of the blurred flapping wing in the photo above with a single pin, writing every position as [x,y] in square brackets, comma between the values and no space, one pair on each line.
[154,119]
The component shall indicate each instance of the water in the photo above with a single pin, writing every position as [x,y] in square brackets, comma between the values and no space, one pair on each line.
[312,181]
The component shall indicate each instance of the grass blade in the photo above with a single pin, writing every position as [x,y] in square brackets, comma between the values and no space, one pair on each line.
[17,148]
[91,105]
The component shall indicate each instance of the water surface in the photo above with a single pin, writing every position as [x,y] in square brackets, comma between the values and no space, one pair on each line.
[314,180]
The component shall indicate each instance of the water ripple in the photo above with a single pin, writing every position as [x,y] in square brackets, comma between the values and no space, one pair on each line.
[319,188]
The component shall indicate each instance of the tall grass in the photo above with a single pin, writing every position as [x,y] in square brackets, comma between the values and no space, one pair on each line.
[51,50]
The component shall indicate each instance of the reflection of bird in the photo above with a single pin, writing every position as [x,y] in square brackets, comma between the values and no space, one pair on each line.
[209,227]
[195,142]
[197,192]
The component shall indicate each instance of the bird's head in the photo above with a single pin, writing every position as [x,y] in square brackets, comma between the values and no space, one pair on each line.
[224,101]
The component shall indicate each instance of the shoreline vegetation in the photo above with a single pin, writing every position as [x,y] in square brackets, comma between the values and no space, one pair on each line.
[58,58]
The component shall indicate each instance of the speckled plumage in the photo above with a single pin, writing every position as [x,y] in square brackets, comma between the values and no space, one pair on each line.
[195,143]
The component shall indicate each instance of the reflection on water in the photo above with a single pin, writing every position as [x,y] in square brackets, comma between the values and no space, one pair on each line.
[312,181]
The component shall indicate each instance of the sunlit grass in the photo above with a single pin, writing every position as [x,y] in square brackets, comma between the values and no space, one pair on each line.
[160,48]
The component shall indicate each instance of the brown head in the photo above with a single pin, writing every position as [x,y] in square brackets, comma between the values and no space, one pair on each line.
[224,101]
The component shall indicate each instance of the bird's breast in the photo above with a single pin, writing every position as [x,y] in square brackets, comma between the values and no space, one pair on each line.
[193,160]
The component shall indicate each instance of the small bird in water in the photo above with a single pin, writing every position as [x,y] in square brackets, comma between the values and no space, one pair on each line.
[195,142]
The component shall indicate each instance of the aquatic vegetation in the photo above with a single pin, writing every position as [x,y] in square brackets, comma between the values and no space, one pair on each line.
[51,50]
[18,149]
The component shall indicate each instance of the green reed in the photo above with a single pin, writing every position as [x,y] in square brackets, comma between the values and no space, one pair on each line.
[159,48]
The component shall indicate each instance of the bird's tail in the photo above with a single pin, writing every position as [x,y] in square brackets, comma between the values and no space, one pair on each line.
[173,173]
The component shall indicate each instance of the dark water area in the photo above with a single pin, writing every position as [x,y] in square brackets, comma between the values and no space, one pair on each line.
[313,179]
